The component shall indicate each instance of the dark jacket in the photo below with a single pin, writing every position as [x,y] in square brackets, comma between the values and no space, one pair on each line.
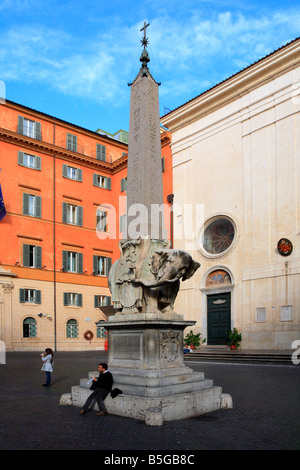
[105,381]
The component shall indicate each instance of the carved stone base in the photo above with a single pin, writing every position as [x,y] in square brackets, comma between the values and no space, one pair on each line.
[146,360]
[146,341]
[166,408]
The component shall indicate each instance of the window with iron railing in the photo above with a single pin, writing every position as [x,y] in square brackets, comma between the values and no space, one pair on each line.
[29,128]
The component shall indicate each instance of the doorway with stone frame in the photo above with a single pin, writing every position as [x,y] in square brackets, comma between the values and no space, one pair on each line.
[217,290]
[218,318]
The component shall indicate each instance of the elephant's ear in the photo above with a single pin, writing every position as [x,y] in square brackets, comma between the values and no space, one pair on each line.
[191,271]
[163,255]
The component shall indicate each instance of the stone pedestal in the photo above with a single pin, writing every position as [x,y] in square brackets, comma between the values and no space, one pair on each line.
[146,360]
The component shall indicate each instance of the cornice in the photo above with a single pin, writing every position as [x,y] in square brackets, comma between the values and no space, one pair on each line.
[35,145]
[250,78]
[38,115]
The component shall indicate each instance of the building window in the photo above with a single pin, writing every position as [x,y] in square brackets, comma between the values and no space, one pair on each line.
[72,142]
[32,256]
[101,221]
[218,236]
[72,173]
[72,329]
[102,301]
[101,332]
[217,278]
[101,181]
[32,205]
[101,152]
[29,128]
[29,161]
[123,184]
[101,265]
[72,262]
[29,328]
[72,299]
[30,295]
[72,214]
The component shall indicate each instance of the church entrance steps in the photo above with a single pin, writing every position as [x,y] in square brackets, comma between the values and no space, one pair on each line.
[223,353]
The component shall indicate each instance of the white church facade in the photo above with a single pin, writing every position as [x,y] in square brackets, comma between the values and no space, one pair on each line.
[236,168]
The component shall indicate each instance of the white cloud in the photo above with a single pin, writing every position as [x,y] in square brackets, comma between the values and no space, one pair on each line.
[185,55]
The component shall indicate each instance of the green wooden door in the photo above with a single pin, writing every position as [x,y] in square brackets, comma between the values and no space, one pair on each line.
[218,318]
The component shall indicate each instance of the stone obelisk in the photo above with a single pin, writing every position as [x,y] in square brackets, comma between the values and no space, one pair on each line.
[145,335]
[144,175]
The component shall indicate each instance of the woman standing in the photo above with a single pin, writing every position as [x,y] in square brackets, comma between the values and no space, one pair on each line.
[47,358]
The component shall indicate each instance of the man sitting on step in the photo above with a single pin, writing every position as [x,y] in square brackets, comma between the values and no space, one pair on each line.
[102,387]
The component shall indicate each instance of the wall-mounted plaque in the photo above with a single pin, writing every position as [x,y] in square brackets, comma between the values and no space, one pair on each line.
[285,247]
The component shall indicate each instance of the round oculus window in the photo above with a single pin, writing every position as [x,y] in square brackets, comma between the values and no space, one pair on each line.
[218,236]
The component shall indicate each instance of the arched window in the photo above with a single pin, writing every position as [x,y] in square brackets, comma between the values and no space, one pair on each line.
[217,278]
[72,328]
[29,328]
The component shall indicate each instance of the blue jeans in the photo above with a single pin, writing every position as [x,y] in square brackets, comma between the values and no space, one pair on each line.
[48,378]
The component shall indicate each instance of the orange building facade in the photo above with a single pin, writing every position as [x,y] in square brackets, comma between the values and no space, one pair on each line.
[64,190]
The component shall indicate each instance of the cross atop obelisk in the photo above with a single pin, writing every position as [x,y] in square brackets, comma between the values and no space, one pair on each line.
[144,176]
[145,41]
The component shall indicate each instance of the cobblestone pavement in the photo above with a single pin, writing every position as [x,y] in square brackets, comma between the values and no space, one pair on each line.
[265,416]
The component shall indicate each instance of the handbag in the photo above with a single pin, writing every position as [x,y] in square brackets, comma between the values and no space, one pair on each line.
[115,392]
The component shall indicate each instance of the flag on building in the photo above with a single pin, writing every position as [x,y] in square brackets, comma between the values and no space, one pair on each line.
[2,206]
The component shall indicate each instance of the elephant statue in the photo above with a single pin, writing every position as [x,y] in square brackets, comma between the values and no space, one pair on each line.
[146,278]
[167,267]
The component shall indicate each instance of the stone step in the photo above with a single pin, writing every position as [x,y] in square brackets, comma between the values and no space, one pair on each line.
[240,356]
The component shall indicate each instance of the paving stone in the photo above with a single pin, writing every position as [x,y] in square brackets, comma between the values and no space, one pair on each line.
[265,413]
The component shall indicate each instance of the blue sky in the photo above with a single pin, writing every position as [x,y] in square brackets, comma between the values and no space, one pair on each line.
[74,59]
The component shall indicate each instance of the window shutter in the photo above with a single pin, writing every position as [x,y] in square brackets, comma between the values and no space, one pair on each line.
[66,299]
[79,215]
[107,300]
[20,125]
[65,171]
[95,179]
[108,265]
[38,206]
[65,260]
[20,158]
[26,249]
[80,262]
[101,152]
[22,295]
[37,131]
[96,301]
[108,183]
[163,164]
[95,265]
[38,256]
[72,142]
[123,184]
[25,204]
[79,300]
[79,174]
[37,163]
[64,212]
[37,296]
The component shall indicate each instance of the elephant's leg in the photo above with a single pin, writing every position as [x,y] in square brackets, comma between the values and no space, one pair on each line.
[150,295]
